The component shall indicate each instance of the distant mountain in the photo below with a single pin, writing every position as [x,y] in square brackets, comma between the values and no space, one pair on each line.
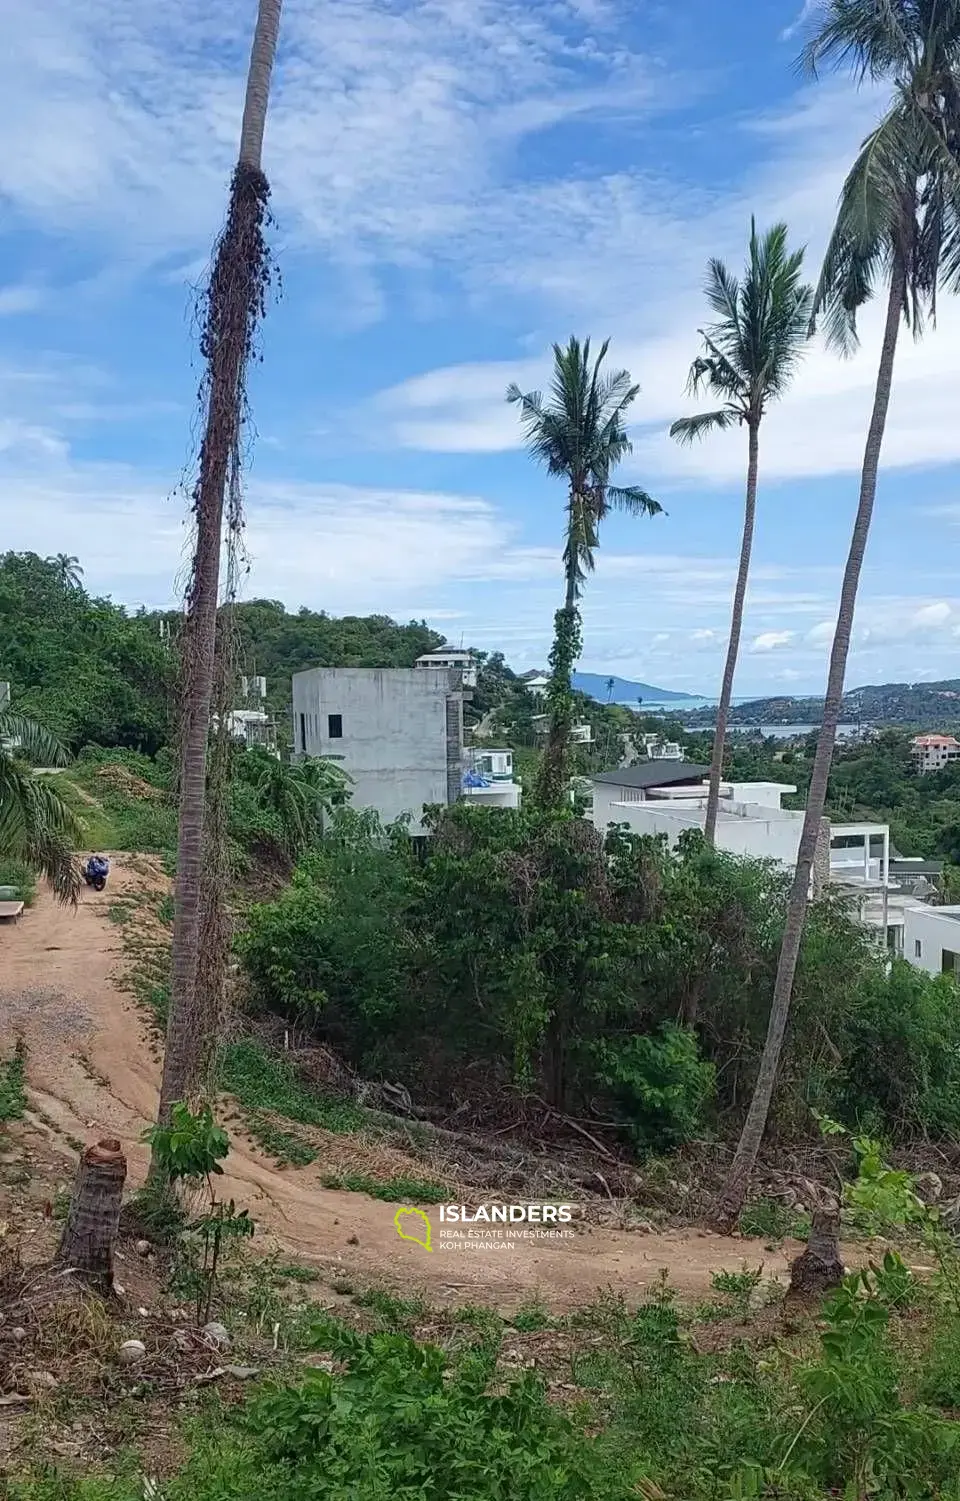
[624,691]
[919,705]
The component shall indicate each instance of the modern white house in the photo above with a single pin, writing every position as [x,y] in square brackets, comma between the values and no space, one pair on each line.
[446,659]
[536,683]
[668,799]
[934,752]
[488,779]
[931,938]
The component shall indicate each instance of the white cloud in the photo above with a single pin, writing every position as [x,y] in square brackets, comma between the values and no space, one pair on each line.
[935,614]
[822,634]
[20,297]
[771,641]
[388,122]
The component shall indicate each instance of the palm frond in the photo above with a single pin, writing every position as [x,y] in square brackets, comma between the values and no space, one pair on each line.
[579,432]
[873,216]
[633,500]
[900,205]
[749,354]
[691,429]
[31,739]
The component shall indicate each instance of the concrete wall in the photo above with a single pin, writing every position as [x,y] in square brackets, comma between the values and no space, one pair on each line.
[933,929]
[757,836]
[402,733]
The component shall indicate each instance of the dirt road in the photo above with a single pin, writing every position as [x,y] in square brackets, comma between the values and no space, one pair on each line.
[93,1070]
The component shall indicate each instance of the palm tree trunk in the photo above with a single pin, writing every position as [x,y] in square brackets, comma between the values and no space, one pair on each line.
[736,627]
[552,775]
[735,1188]
[234,302]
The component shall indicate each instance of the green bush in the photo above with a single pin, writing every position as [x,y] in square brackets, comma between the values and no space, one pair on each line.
[661,1083]
[13,1085]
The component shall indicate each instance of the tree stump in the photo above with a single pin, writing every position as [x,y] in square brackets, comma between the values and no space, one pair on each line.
[90,1233]
[819,1267]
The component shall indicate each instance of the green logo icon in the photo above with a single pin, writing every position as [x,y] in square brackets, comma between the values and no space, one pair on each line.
[422,1238]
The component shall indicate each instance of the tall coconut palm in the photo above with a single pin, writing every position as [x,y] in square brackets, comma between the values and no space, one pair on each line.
[898,227]
[37,828]
[749,356]
[579,435]
[234,303]
[69,572]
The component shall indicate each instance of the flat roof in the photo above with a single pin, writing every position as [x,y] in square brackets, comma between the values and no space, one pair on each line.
[653,774]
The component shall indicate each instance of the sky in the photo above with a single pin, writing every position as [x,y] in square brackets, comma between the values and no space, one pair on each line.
[457,184]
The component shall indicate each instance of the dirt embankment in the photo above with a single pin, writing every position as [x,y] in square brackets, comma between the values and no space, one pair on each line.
[93,1070]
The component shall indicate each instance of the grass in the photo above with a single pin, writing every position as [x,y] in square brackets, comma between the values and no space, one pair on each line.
[399,1189]
[769,1219]
[285,1147]
[13,1084]
[263,1081]
[15,873]
[396,1312]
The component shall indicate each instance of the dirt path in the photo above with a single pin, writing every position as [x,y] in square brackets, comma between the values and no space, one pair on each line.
[93,1070]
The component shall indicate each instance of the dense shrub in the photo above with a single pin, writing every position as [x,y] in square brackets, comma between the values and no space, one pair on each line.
[620,980]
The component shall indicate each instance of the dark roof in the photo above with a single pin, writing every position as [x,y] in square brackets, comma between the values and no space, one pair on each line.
[654,774]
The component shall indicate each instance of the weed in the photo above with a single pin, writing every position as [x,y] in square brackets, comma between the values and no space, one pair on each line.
[286,1148]
[259,1080]
[737,1288]
[341,1287]
[531,1315]
[395,1311]
[292,1271]
[61,1204]
[400,1189]
[486,1320]
[13,1081]
[769,1219]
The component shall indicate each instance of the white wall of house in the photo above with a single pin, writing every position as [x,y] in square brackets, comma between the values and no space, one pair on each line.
[742,828]
[928,934]
[396,738]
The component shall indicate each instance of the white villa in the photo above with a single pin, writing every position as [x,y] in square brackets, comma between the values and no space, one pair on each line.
[667,798]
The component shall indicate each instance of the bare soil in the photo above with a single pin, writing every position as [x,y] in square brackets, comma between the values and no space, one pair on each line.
[93,1071]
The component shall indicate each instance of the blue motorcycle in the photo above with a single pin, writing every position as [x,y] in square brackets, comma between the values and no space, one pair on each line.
[95,872]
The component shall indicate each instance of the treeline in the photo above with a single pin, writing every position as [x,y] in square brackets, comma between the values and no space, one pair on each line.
[522,955]
[92,672]
[81,666]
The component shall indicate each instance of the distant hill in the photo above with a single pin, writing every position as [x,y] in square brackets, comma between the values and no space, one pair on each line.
[624,691]
[919,705]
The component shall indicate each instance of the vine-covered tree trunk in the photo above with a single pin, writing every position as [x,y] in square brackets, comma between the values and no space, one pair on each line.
[736,629]
[234,303]
[738,1179]
[90,1234]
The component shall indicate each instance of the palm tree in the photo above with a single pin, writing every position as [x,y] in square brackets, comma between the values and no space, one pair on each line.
[69,572]
[37,827]
[898,226]
[234,303]
[749,356]
[301,795]
[580,436]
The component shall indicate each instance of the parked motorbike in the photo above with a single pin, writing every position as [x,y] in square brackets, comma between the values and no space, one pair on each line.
[95,872]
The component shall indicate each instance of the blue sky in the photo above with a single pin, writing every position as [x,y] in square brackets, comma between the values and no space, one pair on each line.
[457,183]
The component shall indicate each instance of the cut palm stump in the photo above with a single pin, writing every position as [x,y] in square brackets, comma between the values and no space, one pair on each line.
[90,1234]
